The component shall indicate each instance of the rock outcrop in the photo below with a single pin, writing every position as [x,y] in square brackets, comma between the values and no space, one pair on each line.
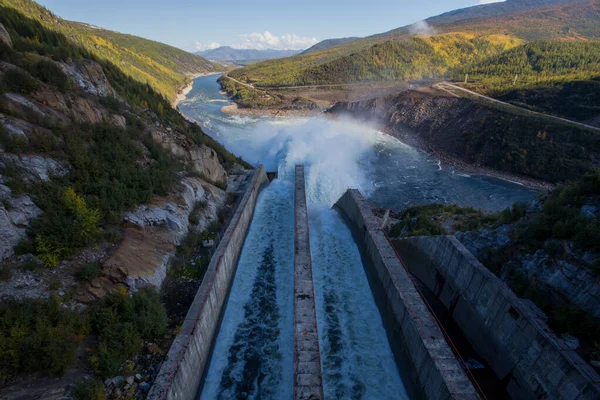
[151,235]
[563,277]
[89,76]
[79,109]
[475,134]
[200,159]
[15,216]
[4,36]
[34,167]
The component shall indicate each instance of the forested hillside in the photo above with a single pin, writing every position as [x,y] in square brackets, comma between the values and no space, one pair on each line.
[400,55]
[165,68]
[82,144]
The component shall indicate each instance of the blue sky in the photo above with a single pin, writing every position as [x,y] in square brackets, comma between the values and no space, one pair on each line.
[200,24]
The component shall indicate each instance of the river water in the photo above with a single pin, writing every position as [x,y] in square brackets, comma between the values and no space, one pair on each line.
[253,355]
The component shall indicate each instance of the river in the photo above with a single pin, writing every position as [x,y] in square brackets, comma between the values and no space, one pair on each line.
[253,355]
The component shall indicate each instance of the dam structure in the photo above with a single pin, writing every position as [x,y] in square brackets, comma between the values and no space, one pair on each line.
[261,327]
[307,298]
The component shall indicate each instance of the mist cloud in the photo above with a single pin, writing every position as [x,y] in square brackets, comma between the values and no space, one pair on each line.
[421,28]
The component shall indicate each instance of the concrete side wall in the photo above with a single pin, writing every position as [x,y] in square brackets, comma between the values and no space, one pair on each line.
[414,335]
[512,338]
[182,371]
[308,380]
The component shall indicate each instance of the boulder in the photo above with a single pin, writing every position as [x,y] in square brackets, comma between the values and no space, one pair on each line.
[4,36]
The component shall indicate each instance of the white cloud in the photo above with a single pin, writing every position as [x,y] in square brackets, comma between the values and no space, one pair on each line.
[267,40]
[421,28]
[212,45]
[480,2]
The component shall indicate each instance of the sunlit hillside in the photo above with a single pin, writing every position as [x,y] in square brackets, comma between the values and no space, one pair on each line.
[164,67]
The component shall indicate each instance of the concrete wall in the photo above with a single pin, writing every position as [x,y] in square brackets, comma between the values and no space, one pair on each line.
[182,371]
[414,335]
[308,379]
[510,335]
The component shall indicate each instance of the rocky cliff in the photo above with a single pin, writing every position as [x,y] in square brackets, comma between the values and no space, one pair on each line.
[478,135]
[40,151]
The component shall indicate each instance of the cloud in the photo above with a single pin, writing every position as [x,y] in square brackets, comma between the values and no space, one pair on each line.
[481,2]
[212,45]
[421,28]
[267,40]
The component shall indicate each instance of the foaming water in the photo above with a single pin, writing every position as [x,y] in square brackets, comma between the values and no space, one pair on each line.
[253,354]
[343,154]
[355,353]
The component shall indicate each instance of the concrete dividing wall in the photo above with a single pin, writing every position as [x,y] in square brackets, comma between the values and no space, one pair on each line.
[512,338]
[308,379]
[414,335]
[182,371]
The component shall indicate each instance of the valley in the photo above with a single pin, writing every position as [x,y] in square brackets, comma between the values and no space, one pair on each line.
[410,214]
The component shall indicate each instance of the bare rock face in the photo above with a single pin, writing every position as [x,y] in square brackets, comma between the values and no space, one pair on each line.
[200,159]
[15,216]
[153,231]
[89,76]
[79,109]
[28,131]
[34,167]
[4,36]
[20,105]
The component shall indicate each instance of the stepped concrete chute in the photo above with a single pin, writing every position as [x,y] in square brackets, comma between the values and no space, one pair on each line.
[308,380]
[510,335]
[415,337]
[183,369]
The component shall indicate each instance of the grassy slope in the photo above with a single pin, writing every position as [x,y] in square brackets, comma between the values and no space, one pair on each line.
[386,56]
[164,67]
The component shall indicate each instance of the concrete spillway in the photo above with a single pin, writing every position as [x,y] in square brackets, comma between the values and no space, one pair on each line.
[182,371]
[253,331]
[308,381]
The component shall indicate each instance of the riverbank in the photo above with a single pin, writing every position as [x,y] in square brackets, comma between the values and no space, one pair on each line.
[233,109]
[185,89]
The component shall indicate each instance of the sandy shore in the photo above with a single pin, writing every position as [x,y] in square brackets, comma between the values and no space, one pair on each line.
[184,90]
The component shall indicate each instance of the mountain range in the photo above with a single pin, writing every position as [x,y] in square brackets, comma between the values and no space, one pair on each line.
[244,56]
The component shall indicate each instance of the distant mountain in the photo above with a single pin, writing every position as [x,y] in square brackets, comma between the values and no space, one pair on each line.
[325,44]
[229,54]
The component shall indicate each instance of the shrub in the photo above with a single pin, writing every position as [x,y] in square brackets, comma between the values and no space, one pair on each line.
[122,323]
[88,272]
[5,273]
[18,81]
[12,143]
[39,335]
[47,71]
[67,225]
[89,389]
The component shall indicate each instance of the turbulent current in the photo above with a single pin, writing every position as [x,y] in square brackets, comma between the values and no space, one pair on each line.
[253,354]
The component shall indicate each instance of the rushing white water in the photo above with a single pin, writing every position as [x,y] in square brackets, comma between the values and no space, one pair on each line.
[253,355]
[355,354]
[344,154]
